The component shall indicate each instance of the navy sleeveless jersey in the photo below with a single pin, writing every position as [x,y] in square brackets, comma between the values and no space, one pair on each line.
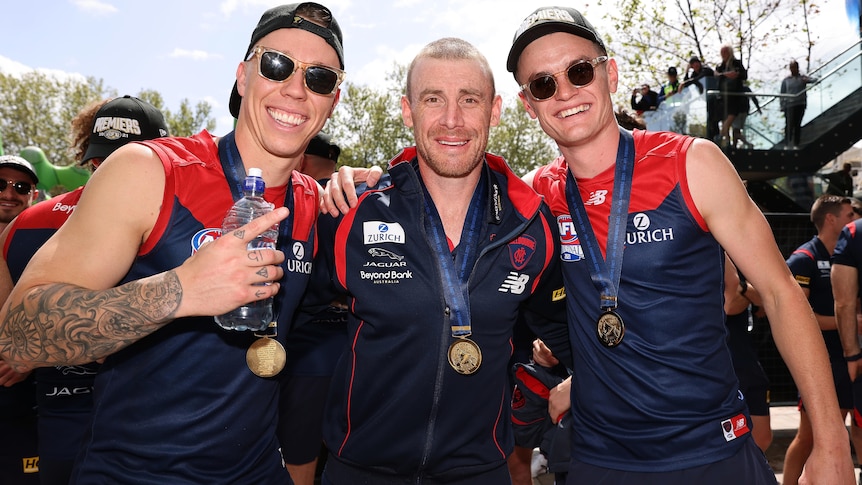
[64,393]
[666,398]
[181,405]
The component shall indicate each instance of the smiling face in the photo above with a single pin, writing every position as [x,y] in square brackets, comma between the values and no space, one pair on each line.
[283,117]
[11,202]
[572,116]
[450,107]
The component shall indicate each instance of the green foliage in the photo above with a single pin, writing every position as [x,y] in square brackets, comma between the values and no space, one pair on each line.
[37,109]
[367,123]
[520,140]
[647,37]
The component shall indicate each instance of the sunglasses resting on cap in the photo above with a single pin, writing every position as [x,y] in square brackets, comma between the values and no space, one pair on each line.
[279,67]
[581,73]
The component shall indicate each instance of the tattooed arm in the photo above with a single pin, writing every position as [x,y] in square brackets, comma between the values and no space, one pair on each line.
[67,309]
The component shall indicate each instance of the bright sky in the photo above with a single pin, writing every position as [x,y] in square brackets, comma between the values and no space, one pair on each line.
[191,48]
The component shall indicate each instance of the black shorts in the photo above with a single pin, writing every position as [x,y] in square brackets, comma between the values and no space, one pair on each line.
[19,456]
[757,399]
[300,417]
[748,463]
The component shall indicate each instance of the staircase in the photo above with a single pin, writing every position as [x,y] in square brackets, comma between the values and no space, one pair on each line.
[832,124]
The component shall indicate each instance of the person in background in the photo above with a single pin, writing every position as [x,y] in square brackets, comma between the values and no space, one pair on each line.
[840,182]
[740,298]
[138,271]
[19,455]
[654,400]
[671,87]
[793,105]
[65,393]
[701,76]
[731,75]
[644,99]
[313,349]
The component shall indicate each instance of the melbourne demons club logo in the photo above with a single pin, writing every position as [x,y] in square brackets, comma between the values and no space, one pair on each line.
[204,236]
[521,250]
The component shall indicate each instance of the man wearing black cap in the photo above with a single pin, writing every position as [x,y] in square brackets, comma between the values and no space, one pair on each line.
[64,393]
[137,273]
[671,87]
[703,78]
[644,220]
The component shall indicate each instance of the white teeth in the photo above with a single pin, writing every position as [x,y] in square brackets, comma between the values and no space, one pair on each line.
[453,143]
[574,111]
[288,119]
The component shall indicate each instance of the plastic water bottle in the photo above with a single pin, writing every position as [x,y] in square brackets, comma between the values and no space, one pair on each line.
[258,314]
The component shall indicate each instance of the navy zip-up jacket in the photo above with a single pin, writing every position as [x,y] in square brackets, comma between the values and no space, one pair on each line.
[397,411]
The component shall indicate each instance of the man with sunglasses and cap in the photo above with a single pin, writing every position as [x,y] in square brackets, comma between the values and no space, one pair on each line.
[19,456]
[17,187]
[64,393]
[138,271]
[644,219]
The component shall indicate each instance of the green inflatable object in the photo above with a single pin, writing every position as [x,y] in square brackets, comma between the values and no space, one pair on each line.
[50,176]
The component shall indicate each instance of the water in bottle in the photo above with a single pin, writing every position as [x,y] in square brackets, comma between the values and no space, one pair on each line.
[258,314]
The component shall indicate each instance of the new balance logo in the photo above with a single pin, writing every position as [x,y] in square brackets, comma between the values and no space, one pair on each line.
[515,283]
[597,198]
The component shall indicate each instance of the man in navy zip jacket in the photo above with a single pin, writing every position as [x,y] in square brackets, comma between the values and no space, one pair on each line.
[437,264]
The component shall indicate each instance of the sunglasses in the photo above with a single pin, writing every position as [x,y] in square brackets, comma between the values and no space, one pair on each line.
[23,188]
[580,74]
[279,67]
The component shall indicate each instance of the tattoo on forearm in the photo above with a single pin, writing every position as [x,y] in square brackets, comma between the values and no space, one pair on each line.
[62,323]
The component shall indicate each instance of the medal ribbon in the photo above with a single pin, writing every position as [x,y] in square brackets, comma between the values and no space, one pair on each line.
[234,172]
[455,274]
[606,279]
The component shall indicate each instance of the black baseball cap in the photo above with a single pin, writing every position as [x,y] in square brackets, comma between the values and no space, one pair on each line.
[671,71]
[694,59]
[123,120]
[322,146]
[284,17]
[548,20]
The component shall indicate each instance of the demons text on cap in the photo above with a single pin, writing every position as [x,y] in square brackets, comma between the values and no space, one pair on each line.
[548,20]
[123,120]
[284,17]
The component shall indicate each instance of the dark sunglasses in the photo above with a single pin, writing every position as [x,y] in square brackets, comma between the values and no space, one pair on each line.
[580,74]
[22,188]
[279,67]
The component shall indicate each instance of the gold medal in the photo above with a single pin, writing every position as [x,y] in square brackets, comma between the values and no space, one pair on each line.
[610,329]
[266,357]
[465,356]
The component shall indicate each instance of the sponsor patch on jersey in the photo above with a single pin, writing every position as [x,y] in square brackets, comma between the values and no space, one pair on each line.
[374,232]
[570,244]
[204,236]
[734,427]
[645,234]
[384,253]
[521,250]
[803,280]
[297,264]
[558,294]
[515,283]
[30,464]
[823,264]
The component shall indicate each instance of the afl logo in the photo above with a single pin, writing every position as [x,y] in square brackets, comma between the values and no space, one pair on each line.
[568,234]
[112,135]
[204,236]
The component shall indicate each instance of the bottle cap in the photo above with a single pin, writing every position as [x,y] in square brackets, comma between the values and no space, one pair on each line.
[255,172]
